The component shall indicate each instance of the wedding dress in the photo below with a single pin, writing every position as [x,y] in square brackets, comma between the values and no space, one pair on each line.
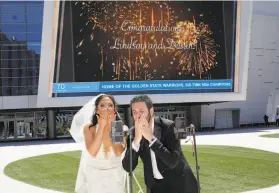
[101,174]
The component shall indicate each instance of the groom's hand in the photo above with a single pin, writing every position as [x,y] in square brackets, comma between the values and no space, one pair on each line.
[146,129]
[138,131]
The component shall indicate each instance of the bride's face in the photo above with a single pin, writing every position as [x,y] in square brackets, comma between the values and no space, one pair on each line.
[106,106]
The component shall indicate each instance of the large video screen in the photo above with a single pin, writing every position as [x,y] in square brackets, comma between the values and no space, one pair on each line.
[150,47]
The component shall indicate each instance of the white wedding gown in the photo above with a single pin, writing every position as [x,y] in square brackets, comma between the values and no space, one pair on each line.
[100,174]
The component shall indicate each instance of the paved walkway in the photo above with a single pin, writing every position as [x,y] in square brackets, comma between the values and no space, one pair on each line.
[15,151]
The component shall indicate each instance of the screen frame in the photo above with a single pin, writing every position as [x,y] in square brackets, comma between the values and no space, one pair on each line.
[49,50]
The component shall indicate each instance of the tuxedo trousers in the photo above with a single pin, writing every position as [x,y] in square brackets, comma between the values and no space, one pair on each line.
[160,187]
[186,183]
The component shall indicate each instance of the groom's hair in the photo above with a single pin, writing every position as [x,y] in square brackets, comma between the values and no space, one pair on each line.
[142,98]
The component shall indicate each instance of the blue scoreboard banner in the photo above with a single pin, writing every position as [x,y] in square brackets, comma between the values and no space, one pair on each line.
[82,87]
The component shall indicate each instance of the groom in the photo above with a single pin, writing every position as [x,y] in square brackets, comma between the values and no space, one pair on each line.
[155,141]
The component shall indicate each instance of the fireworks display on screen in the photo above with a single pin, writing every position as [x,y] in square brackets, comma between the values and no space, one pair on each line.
[161,41]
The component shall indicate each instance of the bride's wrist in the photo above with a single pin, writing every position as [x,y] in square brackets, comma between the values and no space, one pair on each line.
[106,131]
[102,127]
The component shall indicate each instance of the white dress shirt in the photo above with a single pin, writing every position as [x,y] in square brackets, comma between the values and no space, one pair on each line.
[156,172]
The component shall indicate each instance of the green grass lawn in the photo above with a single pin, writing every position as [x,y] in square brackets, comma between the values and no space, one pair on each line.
[275,135]
[223,169]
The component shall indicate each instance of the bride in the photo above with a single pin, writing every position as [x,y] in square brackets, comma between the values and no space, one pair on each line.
[100,169]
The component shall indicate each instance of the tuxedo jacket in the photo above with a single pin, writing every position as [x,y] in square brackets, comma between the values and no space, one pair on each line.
[171,161]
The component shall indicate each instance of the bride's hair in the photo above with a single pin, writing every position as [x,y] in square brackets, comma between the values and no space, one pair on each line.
[117,148]
[94,120]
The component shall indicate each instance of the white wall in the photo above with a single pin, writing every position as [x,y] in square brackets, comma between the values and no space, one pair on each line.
[272,105]
[18,102]
[263,72]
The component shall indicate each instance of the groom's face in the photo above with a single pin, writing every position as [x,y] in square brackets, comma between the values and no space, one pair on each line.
[139,109]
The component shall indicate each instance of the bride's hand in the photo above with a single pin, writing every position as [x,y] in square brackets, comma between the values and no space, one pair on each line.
[111,117]
[103,118]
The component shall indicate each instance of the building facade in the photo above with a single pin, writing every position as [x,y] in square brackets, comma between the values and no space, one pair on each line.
[20,49]
[263,76]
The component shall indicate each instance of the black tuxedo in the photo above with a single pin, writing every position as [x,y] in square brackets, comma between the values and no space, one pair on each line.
[177,174]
